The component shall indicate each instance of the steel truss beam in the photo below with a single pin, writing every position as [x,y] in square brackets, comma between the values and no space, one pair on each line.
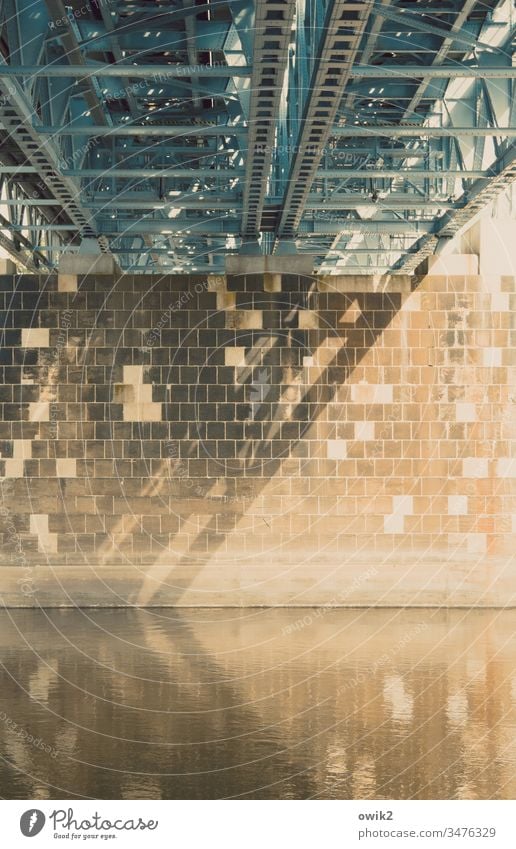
[171,172]
[15,119]
[343,202]
[175,172]
[411,72]
[450,225]
[355,139]
[410,22]
[17,169]
[343,28]
[152,73]
[315,145]
[417,131]
[412,174]
[440,57]
[272,29]
[73,53]
[147,130]
[231,226]
[37,228]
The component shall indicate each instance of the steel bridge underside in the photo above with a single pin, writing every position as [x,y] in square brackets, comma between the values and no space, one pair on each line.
[178,132]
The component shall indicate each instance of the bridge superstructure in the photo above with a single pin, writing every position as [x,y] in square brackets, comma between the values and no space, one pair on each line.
[178,132]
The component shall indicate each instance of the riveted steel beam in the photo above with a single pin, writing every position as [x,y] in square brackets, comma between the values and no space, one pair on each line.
[412,174]
[154,173]
[231,226]
[154,73]
[417,130]
[147,130]
[272,30]
[450,224]
[448,71]
[341,202]
[343,28]
[15,118]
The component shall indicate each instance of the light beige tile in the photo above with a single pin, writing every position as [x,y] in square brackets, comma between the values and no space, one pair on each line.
[394,523]
[272,282]
[143,393]
[308,320]
[133,374]
[234,356]
[500,302]
[402,504]
[336,449]
[226,300]
[35,337]
[465,412]
[67,283]
[477,543]
[492,357]
[22,449]
[506,467]
[371,393]
[13,468]
[364,431]
[142,412]
[458,505]
[475,467]
[39,411]
[38,523]
[66,467]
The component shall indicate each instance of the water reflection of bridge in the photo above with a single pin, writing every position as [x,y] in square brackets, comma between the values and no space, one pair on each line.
[371,704]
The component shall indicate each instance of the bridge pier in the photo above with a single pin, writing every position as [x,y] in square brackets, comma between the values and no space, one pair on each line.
[214,441]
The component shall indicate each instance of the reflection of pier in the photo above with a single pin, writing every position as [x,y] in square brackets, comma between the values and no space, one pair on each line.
[379,704]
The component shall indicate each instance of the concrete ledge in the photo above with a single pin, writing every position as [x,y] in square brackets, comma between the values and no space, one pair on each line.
[414,583]
[260,264]
[72,264]
[364,283]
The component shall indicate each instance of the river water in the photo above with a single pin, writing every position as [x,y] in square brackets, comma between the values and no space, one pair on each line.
[282,704]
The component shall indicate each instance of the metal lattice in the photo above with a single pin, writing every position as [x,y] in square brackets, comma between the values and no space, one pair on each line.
[175,133]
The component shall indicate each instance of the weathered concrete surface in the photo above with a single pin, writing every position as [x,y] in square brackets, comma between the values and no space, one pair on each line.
[418,583]
[269,264]
[452,264]
[492,240]
[84,263]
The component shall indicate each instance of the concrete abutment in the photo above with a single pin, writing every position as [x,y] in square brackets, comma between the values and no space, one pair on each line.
[258,439]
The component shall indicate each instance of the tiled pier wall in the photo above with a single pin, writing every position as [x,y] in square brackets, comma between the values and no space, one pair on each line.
[258,440]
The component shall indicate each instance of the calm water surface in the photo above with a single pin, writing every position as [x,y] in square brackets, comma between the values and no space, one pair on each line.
[282,704]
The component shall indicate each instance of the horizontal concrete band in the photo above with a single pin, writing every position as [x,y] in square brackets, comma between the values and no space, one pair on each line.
[415,583]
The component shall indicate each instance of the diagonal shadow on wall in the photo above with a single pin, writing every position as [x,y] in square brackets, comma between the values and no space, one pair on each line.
[368,326]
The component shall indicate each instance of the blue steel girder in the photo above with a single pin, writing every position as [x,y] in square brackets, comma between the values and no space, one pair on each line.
[156,108]
[272,30]
[337,45]
[41,204]
[473,134]
[75,38]
[449,225]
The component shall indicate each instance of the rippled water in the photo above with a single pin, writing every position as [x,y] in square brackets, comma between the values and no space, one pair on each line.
[291,704]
